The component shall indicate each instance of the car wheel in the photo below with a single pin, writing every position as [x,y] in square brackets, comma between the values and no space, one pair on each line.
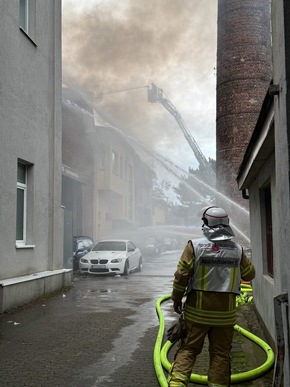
[126,268]
[139,268]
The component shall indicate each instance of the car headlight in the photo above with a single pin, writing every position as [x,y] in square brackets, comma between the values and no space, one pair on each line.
[117,260]
[84,260]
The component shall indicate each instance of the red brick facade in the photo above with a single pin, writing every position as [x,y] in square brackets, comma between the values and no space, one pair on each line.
[244,68]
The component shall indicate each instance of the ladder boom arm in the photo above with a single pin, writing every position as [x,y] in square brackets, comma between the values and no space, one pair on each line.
[192,143]
[155,94]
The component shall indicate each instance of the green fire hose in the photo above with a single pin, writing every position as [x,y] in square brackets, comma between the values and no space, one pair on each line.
[160,352]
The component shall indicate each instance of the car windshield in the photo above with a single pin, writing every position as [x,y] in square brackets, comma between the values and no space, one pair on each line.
[110,246]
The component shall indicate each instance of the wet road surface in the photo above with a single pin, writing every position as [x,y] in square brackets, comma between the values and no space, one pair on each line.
[102,333]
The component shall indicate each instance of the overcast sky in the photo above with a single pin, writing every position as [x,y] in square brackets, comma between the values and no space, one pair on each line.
[113,45]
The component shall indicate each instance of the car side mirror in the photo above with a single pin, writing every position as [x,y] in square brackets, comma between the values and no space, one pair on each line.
[131,249]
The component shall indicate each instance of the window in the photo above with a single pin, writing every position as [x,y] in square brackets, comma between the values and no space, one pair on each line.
[115,162]
[126,169]
[27,17]
[130,191]
[23,14]
[121,167]
[21,203]
[110,246]
[101,163]
[266,201]
[24,205]
[269,236]
[81,246]
[131,246]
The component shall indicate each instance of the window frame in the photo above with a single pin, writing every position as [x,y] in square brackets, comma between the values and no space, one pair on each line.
[28,206]
[131,246]
[121,167]
[23,187]
[24,15]
[101,163]
[130,191]
[115,162]
[267,229]
[27,19]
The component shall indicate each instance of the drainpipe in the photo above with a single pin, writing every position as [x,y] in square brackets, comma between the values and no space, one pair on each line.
[279,363]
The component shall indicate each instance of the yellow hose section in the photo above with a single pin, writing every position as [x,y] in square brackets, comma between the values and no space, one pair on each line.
[160,353]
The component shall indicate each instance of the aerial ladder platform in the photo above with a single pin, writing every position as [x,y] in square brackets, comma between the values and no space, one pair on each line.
[155,95]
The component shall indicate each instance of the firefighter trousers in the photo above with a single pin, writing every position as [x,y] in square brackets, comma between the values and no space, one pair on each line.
[220,343]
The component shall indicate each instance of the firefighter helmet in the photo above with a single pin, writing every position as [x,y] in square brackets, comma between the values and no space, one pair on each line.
[215,216]
[216,224]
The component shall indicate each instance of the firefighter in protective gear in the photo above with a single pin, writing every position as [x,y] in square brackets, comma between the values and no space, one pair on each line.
[208,274]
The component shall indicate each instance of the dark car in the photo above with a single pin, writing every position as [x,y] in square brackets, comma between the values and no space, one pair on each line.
[152,247]
[169,243]
[81,246]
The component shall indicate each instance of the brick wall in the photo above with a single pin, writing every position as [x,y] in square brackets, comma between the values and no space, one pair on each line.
[244,70]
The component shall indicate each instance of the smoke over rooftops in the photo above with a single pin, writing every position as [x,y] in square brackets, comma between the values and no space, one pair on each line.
[124,45]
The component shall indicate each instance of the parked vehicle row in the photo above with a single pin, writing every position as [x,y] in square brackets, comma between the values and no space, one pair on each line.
[115,256]
[154,246]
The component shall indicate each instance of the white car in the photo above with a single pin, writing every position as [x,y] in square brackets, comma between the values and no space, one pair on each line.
[118,256]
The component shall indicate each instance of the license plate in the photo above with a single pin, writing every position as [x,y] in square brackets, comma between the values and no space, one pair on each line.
[99,266]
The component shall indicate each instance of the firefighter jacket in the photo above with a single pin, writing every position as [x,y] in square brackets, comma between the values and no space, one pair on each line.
[211,291]
[216,266]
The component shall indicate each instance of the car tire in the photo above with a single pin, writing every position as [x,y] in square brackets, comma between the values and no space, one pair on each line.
[126,268]
[139,268]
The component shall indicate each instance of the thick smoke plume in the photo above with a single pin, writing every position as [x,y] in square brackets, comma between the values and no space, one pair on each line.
[119,45]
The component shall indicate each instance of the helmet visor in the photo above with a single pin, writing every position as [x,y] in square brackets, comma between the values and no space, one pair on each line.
[218,233]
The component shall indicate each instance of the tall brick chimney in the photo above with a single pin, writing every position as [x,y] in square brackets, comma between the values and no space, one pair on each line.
[244,70]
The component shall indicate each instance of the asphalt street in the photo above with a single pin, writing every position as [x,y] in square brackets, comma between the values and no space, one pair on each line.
[101,332]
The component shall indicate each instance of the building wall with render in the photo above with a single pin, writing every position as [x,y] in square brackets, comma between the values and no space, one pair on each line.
[266,165]
[281,78]
[243,76]
[30,132]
